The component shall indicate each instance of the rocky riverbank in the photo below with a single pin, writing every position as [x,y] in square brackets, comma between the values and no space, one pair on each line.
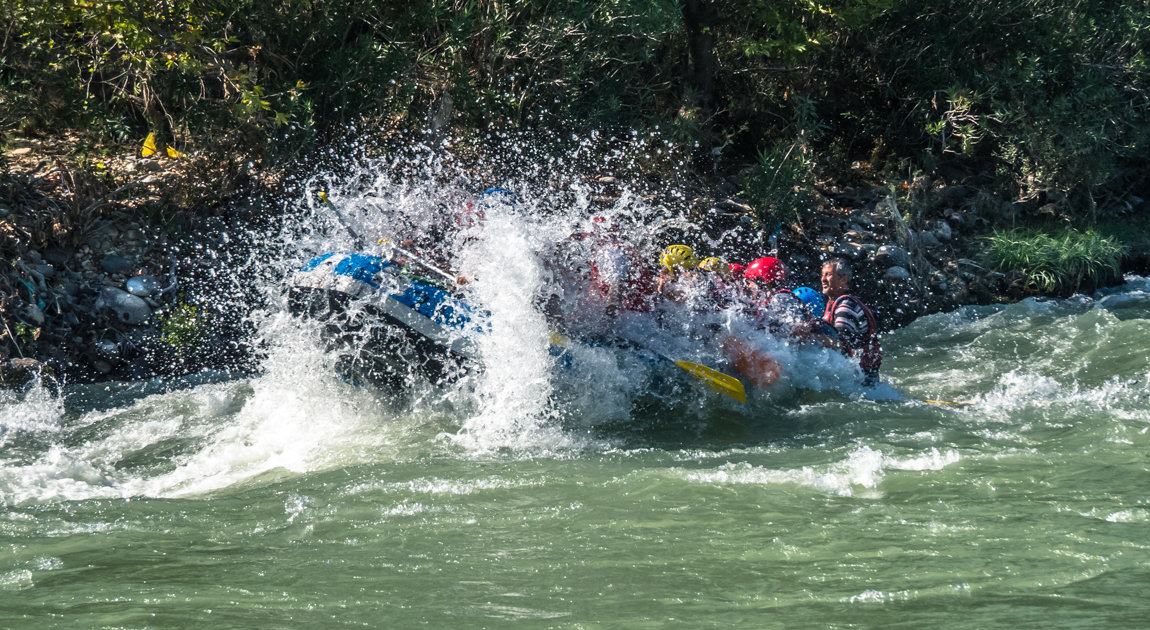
[97,283]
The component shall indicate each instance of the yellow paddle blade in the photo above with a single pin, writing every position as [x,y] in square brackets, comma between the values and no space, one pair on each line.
[725,384]
[323,199]
[172,153]
[149,147]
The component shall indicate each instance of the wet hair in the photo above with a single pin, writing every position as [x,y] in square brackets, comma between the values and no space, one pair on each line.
[840,266]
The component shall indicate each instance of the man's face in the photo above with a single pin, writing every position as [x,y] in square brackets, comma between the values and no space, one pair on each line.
[834,283]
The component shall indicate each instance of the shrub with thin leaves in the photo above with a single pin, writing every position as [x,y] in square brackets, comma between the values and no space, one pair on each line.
[1057,263]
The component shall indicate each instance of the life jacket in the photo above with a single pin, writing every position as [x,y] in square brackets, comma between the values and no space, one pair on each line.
[636,288]
[869,351]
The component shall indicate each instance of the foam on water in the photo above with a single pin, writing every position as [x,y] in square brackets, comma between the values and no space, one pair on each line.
[35,409]
[293,418]
[861,468]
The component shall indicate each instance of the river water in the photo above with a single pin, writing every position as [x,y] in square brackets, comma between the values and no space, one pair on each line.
[293,499]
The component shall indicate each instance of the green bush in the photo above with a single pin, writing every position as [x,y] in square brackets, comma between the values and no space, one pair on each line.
[1045,100]
[1049,98]
[1057,263]
[781,186]
[183,327]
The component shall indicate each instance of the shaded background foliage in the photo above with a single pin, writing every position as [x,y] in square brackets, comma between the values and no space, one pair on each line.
[1043,102]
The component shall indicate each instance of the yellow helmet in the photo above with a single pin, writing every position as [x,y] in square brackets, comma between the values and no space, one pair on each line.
[677,257]
[715,264]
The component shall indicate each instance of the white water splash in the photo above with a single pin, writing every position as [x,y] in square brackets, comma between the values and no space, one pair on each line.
[514,389]
[863,468]
[36,409]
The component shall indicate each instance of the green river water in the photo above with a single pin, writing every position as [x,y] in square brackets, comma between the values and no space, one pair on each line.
[294,500]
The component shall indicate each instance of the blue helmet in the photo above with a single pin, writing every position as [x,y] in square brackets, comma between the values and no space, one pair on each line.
[498,195]
[813,299]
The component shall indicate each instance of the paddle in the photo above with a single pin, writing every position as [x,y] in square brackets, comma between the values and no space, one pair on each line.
[419,261]
[385,241]
[725,384]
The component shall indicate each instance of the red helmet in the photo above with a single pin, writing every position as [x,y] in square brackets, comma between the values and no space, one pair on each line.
[767,269]
[737,269]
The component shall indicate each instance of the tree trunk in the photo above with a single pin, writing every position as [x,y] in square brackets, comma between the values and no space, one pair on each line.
[700,18]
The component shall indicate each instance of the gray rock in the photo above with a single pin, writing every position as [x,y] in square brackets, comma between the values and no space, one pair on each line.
[143,286]
[68,287]
[942,231]
[19,371]
[894,255]
[48,271]
[928,239]
[58,256]
[115,264]
[145,164]
[33,315]
[34,256]
[125,306]
[852,251]
[896,274]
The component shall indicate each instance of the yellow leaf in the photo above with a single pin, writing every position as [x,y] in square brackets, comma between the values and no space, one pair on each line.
[149,145]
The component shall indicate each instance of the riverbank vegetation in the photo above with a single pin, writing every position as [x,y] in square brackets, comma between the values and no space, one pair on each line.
[1057,263]
[1020,112]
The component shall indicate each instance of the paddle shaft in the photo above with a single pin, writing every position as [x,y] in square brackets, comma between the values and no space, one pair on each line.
[422,263]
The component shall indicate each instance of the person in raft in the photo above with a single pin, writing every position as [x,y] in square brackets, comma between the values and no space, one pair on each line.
[762,278]
[721,284]
[854,321]
[618,276]
[679,280]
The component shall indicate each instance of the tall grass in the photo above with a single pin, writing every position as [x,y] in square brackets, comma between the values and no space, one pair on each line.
[1057,263]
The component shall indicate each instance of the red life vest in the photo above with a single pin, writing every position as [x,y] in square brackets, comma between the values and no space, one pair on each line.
[869,351]
[635,290]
